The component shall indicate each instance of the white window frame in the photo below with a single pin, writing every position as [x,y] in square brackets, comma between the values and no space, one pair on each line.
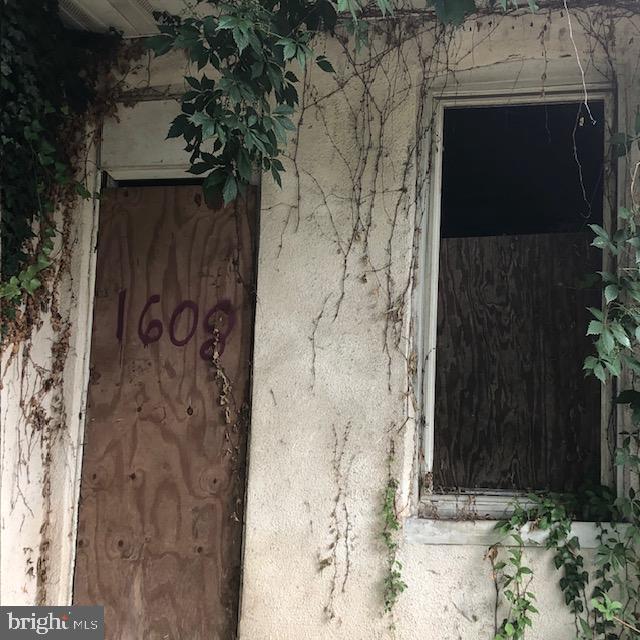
[499,85]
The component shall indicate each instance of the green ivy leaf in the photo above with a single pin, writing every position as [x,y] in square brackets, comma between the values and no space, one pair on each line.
[212,186]
[43,262]
[289,50]
[596,313]
[230,190]
[599,231]
[606,340]
[199,168]
[599,372]
[178,127]
[193,82]
[209,128]
[586,628]
[611,293]
[301,56]
[82,191]
[32,286]
[614,366]
[595,328]
[276,176]
[324,64]
[241,38]
[621,144]
[620,335]
[227,22]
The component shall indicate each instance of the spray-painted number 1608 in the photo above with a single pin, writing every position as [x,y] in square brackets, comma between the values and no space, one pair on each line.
[220,316]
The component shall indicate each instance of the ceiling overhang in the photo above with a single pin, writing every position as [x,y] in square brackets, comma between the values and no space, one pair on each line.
[133,18]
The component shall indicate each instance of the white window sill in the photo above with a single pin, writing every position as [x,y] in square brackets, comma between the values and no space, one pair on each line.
[483,533]
[487,505]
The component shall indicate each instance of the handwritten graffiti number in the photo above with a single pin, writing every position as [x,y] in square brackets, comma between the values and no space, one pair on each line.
[220,318]
[185,304]
[153,332]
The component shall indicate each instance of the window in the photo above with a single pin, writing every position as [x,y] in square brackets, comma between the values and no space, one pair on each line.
[516,186]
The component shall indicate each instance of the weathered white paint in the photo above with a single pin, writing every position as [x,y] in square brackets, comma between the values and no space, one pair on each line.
[321,430]
[484,533]
[40,469]
[143,160]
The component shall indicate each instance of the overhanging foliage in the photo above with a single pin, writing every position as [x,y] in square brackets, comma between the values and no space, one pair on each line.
[47,81]
[238,122]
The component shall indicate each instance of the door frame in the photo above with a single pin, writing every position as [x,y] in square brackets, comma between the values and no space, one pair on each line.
[111,161]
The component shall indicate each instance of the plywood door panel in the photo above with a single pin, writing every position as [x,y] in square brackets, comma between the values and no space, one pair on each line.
[160,523]
[513,407]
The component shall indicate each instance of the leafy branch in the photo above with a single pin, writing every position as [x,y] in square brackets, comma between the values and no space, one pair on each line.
[237,113]
[239,121]
[515,578]
[393,583]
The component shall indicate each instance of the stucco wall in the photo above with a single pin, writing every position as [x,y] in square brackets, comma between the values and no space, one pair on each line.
[320,444]
[337,326]
[42,403]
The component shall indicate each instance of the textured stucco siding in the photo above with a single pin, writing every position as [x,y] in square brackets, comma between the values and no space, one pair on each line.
[336,339]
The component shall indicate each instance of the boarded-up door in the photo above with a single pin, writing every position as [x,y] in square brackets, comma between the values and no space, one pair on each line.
[160,524]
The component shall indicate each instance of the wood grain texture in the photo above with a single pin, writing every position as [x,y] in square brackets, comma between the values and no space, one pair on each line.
[513,407]
[160,524]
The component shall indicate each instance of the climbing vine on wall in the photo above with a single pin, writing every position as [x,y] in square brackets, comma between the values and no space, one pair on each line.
[48,83]
[235,121]
[394,585]
[238,122]
[604,602]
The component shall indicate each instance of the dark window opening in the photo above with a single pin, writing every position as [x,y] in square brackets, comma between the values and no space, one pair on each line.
[513,409]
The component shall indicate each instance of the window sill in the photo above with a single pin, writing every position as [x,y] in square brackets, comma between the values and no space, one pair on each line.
[483,533]
[482,505]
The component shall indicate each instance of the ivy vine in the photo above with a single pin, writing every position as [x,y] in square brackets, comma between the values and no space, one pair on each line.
[394,585]
[605,602]
[232,125]
[48,79]
[238,122]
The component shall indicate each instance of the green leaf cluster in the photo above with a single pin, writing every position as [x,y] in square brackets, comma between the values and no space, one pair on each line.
[237,114]
[622,142]
[589,596]
[616,327]
[513,577]
[47,75]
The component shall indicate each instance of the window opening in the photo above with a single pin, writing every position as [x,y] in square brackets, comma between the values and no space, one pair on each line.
[513,408]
